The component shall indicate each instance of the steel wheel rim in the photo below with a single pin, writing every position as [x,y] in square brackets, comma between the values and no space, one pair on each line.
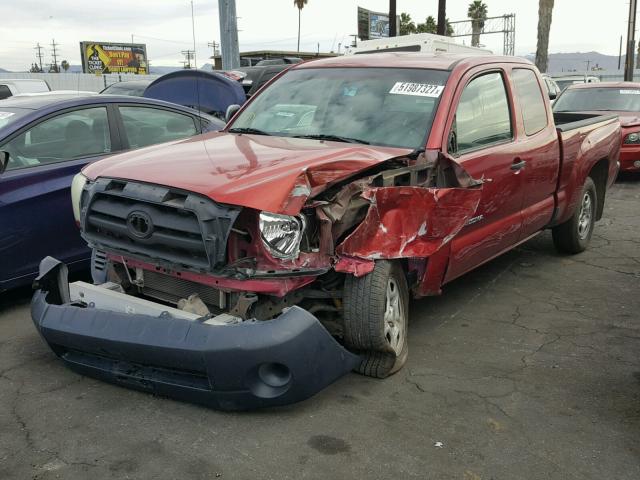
[394,317]
[584,218]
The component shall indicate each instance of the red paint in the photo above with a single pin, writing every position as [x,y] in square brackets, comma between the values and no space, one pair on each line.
[274,174]
[358,267]
[405,222]
[270,286]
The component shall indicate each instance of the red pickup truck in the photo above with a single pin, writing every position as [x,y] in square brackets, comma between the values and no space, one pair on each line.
[254,266]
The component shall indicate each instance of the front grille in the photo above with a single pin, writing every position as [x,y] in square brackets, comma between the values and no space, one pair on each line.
[157,223]
[171,289]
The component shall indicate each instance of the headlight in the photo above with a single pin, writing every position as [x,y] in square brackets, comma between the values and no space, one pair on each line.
[78,183]
[632,138]
[281,234]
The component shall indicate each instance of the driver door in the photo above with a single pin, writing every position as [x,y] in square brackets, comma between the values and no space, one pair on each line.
[481,139]
[35,201]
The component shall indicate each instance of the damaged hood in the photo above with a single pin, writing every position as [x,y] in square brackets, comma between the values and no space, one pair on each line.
[275,174]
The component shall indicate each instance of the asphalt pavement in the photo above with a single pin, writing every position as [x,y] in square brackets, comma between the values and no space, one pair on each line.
[527,368]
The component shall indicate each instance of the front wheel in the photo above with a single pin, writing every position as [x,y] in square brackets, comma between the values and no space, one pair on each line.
[574,235]
[376,309]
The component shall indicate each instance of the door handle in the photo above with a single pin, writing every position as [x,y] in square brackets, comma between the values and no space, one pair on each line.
[518,164]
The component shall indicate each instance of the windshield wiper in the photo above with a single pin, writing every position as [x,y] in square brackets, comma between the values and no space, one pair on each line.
[332,138]
[249,130]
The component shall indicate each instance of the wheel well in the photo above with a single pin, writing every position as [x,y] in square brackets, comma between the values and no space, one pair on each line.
[600,174]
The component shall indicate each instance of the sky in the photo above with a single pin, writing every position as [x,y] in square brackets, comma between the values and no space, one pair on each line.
[165,25]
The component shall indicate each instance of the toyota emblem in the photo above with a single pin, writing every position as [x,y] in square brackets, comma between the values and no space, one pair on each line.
[139,224]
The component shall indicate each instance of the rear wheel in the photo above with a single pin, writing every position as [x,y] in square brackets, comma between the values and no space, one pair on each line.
[574,235]
[376,309]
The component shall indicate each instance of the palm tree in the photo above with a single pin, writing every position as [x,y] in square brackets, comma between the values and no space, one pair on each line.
[300,4]
[477,12]
[545,9]
[406,24]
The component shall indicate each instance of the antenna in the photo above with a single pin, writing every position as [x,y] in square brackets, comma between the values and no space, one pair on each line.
[39,55]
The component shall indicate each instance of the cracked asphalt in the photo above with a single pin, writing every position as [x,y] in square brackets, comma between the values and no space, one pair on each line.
[527,368]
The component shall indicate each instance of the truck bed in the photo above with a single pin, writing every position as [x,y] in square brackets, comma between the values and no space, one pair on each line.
[566,121]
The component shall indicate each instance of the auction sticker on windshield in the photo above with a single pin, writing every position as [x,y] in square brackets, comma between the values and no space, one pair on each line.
[418,89]
[629,92]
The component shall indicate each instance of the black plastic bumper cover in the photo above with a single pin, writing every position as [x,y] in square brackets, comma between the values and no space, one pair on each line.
[235,367]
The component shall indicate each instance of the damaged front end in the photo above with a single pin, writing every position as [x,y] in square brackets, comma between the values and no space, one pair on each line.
[218,361]
[237,308]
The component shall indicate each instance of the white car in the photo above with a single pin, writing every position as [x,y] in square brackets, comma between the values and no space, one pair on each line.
[16,86]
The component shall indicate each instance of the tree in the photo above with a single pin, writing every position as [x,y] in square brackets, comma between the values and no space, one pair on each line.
[300,4]
[429,26]
[545,9]
[477,12]
[449,31]
[65,65]
[406,24]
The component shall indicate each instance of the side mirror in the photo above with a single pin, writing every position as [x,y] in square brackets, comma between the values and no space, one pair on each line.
[231,111]
[4,161]
[553,95]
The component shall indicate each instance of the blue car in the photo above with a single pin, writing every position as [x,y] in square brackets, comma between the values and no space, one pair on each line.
[45,140]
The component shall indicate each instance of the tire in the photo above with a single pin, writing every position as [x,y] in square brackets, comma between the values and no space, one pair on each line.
[574,235]
[376,310]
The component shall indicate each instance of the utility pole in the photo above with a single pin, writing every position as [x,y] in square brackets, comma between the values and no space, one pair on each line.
[229,34]
[631,42]
[188,55]
[442,17]
[193,31]
[214,45]
[620,53]
[39,55]
[392,18]
[54,55]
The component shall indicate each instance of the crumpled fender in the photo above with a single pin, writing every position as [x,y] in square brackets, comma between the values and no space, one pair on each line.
[410,221]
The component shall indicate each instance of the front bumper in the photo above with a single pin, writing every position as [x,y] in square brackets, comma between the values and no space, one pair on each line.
[231,367]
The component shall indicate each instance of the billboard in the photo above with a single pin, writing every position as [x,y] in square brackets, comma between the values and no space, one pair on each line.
[105,57]
[374,24]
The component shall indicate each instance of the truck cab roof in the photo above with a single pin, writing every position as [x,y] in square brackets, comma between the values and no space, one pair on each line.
[435,61]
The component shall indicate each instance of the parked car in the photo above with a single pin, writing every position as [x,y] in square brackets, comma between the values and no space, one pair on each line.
[15,86]
[44,141]
[563,80]
[205,91]
[278,61]
[254,266]
[620,98]
[134,88]
[552,88]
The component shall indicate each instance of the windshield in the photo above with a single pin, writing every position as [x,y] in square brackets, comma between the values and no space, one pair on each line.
[565,83]
[135,89]
[588,99]
[10,115]
[380,106]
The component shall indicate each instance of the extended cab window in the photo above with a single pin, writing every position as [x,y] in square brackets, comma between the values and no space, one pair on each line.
[74,135]
[147,126]
[379,106]
[534,111]
[483,116]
